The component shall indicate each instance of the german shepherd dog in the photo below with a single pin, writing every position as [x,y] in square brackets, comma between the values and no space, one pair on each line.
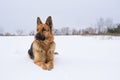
[43,46]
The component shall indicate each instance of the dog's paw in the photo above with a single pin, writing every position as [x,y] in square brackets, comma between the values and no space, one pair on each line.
[50,65]
[44,66]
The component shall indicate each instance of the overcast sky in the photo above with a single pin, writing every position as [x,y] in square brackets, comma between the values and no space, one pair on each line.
[21,14]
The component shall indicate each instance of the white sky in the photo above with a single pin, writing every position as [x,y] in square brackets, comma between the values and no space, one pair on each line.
[21,14]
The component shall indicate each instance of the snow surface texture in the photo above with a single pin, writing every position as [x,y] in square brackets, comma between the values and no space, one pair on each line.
[80,58]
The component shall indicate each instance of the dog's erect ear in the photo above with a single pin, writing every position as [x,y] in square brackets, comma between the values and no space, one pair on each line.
[39,21]
[49,22]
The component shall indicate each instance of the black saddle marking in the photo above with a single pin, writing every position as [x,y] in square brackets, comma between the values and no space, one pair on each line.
[30,51]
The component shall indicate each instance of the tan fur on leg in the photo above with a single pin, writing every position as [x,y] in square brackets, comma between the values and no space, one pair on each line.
[50,56]
[50,65]
[41,64]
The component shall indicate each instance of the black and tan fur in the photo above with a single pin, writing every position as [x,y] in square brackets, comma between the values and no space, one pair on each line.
[43,49]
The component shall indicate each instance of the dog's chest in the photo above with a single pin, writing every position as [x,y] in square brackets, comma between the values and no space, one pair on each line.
[44,46]
[38,45]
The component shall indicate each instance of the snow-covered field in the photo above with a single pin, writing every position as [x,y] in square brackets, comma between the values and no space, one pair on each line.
[80,58]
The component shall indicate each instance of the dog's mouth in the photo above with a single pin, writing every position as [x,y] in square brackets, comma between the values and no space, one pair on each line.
[40,37]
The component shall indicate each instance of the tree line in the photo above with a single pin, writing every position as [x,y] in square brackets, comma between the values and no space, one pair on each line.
[103,27]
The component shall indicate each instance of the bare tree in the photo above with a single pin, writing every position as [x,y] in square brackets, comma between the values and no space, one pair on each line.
[65,31]
[100,25]
[8,34]
[19,32]
[109,23]
[91,30]
[74,32]
[56,31]
[32,33]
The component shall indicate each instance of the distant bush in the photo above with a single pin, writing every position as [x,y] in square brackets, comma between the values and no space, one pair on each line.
[9,34]
[1,34]
[114,30]
[32,33]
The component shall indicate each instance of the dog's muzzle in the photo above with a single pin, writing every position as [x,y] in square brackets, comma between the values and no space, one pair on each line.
[40,37]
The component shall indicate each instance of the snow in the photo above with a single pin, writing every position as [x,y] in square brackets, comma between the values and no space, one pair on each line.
[80,58]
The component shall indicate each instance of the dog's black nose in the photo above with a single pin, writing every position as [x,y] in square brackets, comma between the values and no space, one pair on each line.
[40,37]
[43,30]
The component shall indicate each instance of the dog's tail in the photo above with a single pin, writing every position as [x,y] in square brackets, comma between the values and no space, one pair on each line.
[30,52]
[56,53]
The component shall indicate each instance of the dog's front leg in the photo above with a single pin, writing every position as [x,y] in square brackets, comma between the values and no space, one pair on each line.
[50,65]
[40,60]
[50,56]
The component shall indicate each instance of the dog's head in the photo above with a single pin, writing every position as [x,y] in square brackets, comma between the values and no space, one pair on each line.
[44,29]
